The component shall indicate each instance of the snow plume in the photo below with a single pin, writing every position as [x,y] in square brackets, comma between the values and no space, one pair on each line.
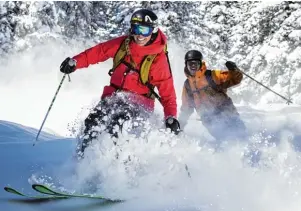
[192,172]
[232,176]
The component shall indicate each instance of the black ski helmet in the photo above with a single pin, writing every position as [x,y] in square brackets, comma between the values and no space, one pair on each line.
[193,55]
[144,17]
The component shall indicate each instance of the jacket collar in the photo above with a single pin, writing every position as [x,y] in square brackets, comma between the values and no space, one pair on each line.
[156,47]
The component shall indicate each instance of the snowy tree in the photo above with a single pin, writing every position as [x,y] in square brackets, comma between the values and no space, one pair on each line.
[263,38]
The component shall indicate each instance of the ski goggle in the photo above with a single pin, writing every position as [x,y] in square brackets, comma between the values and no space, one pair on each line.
[193,65]
[141,30]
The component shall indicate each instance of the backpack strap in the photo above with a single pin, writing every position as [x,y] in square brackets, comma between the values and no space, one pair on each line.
[145,68]
[146,65]
[119,55]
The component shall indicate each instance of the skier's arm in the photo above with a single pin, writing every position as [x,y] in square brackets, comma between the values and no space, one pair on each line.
[160,76]
[186,108]
[227,78]
[98,53]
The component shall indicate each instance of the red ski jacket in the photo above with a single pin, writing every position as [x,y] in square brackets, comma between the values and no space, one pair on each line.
[159,74]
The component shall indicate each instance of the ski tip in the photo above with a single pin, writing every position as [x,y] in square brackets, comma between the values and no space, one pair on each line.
[39,185]
[44,189]
[9,189]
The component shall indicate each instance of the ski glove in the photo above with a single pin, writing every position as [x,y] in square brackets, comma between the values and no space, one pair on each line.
[173,124]
[231,66]
[68,66]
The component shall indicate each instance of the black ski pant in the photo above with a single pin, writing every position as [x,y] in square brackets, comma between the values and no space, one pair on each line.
[110,114]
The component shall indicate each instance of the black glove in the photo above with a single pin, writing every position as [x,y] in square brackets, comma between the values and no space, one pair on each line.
[68,66]
[231,66]
[173,124]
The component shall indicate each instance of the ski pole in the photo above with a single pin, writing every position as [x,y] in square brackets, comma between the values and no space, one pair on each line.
[231,65]
[288,100]
[57,91]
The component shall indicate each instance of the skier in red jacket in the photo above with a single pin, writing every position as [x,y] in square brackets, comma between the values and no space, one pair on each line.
[140,64]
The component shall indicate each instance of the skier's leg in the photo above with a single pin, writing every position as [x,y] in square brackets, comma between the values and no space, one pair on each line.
[237,127]
[133,113]
[122,113]
[93,120]
[213,126]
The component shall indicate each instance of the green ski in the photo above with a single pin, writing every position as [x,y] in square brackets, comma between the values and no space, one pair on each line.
[16,192]
[46,190]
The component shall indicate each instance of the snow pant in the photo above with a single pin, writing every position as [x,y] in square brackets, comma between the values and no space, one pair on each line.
[221,127]
[109,116]
[222,120]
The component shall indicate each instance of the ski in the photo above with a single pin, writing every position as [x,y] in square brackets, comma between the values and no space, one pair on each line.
[46,190]
[16,192]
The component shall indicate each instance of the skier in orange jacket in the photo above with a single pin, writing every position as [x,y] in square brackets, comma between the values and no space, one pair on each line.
[206,92]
